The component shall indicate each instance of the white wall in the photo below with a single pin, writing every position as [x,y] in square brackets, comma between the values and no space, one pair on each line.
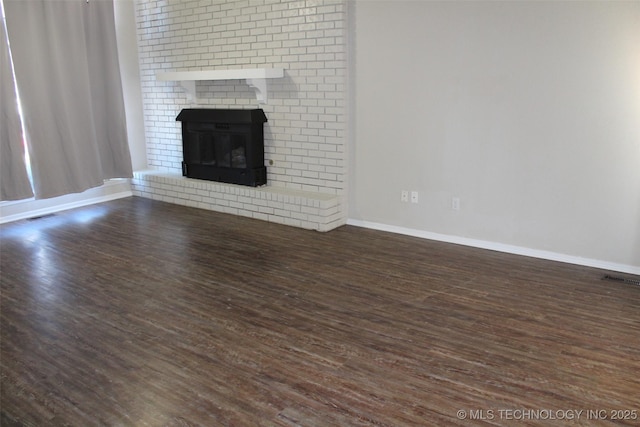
[130,71]
[529,112]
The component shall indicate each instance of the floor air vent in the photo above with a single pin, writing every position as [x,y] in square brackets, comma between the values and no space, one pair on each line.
[35,218]
[622,279]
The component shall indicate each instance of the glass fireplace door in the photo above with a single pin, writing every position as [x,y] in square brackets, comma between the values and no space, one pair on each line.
[224,150]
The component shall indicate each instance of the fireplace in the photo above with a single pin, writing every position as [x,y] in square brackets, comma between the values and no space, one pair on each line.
[224,145]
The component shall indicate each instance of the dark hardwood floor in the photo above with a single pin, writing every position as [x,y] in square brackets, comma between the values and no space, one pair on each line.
[141,313]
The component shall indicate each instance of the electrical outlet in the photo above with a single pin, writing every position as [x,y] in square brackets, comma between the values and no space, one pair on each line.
[404,196]
[455,203]
[414,197]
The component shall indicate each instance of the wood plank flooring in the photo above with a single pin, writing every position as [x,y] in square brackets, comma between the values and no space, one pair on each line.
[140,313]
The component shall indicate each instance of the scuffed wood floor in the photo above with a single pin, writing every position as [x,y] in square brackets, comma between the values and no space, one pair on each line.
[141,313]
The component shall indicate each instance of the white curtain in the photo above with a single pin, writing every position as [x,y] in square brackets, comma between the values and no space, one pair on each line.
[14,182]
[66,66]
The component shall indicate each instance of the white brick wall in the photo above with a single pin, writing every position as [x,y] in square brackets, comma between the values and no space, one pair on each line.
[305,137]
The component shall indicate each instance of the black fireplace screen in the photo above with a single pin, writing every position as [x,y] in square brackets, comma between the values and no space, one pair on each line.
[224,145]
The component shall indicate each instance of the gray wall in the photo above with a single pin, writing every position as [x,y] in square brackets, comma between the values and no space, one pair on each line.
[529,112]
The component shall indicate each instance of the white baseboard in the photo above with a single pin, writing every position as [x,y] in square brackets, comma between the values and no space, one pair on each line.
[111,190]
[500,247]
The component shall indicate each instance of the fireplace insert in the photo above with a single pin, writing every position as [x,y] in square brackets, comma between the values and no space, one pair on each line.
[224,145]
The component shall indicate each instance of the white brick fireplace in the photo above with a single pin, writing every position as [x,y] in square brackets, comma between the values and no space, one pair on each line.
[305,136]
